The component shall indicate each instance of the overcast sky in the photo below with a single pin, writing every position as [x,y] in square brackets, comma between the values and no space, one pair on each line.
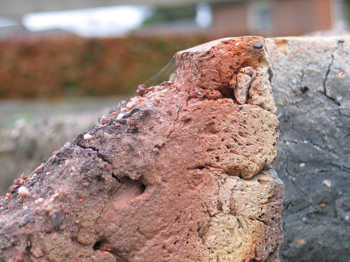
[89,22]
[99,22]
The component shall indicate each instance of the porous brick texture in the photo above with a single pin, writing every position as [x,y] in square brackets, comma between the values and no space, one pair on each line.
[180,173]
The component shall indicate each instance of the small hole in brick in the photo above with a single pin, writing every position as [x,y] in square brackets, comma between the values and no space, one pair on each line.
[99,244]
[129,189]
[227,92]
[304,89]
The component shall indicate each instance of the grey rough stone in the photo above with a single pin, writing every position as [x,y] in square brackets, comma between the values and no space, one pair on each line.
[24,146]
[31,130]
[310,80]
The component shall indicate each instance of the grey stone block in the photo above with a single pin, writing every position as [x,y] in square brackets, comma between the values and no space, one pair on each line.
[311,85]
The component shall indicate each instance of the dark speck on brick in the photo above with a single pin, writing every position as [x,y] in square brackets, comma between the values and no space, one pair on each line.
[258,45]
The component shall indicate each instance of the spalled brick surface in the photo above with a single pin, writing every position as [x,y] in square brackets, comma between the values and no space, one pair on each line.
[179,174]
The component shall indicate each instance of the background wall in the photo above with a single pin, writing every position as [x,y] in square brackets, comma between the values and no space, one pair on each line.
[73,66]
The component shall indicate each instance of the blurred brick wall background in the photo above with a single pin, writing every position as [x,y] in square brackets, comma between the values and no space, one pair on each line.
[73,66]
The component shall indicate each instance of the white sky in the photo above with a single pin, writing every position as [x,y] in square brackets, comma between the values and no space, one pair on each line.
[204,17]
[98,22]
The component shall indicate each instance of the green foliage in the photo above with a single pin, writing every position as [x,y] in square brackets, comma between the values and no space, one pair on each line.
[347,11]
[161,15]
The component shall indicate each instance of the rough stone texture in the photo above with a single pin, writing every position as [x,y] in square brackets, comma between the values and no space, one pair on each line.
[26,145]
[31,130]
[180,174]
[311,79]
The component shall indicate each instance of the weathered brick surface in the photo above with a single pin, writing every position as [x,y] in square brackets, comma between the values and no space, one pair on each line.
[179,174]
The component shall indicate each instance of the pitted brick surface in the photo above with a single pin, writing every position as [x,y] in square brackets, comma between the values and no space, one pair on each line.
[179,174]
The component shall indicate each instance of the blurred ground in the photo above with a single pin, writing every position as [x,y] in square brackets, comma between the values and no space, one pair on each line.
[13,112]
